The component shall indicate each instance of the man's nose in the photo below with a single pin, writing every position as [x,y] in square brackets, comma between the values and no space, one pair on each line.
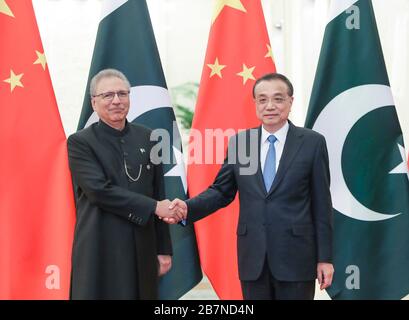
[270,105]
[116,99]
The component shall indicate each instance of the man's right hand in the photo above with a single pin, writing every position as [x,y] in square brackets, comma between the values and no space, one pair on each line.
[170,212]
[180,206]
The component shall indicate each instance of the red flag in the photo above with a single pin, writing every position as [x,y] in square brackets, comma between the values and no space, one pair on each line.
[36,199]
[238,52]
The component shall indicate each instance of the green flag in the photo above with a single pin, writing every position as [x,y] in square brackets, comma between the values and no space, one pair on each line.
[352,105]
[125,41]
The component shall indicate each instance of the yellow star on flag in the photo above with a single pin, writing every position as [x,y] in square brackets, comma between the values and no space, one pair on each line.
[216,68]
[247,73]
[269,53]
[14,80]
[41,59]
[4,8]
[220,4]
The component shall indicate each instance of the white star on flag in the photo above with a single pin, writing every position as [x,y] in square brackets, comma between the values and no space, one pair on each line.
[401,168]
[179,169]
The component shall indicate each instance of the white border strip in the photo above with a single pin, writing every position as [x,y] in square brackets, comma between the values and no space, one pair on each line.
[339,6]
[108,6]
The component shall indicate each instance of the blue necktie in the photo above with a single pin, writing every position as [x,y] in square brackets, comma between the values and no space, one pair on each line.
[270,164]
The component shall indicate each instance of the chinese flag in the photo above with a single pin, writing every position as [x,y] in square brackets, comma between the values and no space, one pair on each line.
[36,198]
[238,52]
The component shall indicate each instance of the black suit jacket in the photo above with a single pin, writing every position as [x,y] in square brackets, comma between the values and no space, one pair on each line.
[290,224]
[117,235]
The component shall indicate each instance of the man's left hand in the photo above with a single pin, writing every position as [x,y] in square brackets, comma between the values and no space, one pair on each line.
[165,263]
[325,272]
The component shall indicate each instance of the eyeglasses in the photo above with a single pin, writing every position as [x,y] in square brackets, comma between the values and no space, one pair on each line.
[109,96]
[265,100]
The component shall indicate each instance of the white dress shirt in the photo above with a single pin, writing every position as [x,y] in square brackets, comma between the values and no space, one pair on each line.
[281,136]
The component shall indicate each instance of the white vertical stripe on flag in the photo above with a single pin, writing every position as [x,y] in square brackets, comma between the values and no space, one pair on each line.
[109,6]
[338,6]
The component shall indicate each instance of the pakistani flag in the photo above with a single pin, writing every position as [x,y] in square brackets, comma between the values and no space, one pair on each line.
[125,41]
[352,106]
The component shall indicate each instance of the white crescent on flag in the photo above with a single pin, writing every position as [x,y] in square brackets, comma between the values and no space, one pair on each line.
[360,101]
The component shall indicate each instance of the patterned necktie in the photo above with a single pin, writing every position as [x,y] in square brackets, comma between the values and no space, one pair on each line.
[270,164]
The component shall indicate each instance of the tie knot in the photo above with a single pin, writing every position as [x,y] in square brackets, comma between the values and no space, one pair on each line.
[272,138]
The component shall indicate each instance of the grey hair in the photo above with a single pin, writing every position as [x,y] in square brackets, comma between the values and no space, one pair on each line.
[106,73]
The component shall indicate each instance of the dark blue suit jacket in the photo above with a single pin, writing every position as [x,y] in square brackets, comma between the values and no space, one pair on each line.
[290,224]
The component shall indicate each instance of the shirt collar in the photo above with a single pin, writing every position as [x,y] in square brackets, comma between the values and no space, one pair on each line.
[112,131]
[280,134]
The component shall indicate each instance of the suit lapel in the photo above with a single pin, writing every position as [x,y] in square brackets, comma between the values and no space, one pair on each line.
[292,145]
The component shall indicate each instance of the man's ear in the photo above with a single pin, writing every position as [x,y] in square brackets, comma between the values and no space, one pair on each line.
[93,103]
[291,101]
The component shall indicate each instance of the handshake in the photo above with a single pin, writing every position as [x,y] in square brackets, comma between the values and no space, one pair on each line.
[171,211]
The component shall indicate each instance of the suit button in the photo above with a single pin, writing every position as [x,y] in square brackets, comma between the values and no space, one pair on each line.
[122,141]
[125,153]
